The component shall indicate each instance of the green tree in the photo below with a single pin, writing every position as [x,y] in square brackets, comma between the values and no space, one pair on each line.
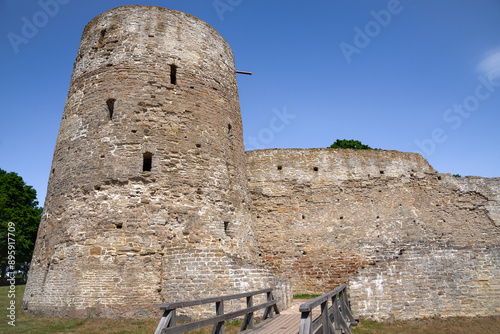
[351,143]
[18,205]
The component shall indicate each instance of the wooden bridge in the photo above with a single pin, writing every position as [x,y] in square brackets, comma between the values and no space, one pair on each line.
[326,314]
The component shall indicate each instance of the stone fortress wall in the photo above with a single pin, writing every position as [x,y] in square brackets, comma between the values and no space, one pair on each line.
[410,242]
[152,198]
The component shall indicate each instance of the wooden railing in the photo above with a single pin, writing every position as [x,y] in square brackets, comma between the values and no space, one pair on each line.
[168,324]
[335,319]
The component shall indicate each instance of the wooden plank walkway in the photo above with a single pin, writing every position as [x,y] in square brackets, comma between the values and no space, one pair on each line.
[280,324]
[288,322]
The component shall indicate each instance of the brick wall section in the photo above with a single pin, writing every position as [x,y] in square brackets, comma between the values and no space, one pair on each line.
[429,280]
[205,272]
[325,217]
[108,224]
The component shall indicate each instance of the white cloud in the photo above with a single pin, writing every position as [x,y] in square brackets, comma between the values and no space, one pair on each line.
[490,65]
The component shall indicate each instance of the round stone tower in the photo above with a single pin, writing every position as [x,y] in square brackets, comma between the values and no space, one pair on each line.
[147,199]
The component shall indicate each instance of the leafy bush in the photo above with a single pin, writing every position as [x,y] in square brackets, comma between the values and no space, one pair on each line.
[352,144]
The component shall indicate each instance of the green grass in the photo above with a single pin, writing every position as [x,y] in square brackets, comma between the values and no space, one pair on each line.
[366,326]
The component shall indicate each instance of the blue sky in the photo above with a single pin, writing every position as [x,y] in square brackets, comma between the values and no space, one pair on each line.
[409,75]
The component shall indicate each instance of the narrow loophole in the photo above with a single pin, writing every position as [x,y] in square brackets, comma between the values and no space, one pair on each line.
[173,74]
[111,107]
[147,162]
[226,227]
[119,225]
[315,169]
[229,129]
[100,43]
[280,167]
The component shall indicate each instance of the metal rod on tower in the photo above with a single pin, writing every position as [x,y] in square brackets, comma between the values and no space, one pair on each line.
[243,72]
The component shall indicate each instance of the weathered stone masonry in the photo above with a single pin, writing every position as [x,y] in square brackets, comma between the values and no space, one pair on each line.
[147,200]
[409,242]
[152,198]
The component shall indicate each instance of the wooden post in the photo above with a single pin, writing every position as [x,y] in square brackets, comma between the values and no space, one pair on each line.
[250,304]
[248,322]
[336,314]
[340,322]
[167,320]
[268,312]
[219,310]
[345,309]
[325,319]
[306,323]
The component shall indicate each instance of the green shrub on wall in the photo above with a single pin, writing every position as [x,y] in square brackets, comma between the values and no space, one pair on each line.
[352,144]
